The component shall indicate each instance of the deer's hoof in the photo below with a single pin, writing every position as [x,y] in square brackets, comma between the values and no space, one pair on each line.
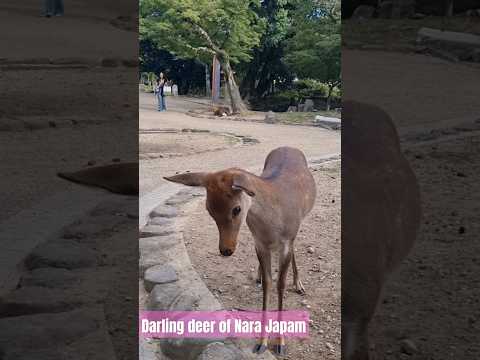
[300,291]
[259,348]
[280,350]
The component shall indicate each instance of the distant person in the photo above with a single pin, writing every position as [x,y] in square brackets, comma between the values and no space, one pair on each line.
[160,92]
[54,8]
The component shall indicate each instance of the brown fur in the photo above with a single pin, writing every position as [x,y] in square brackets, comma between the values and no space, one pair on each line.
[273,205]
[380,217]
[118,178]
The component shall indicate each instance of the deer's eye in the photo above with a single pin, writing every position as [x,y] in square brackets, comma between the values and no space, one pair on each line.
[236,210]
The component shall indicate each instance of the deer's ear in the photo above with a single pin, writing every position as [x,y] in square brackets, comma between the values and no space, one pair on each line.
[243,183]
[189,179]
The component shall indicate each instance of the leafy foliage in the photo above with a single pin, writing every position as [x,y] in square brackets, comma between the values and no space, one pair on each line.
[202,28]
[314,49]
[267,65]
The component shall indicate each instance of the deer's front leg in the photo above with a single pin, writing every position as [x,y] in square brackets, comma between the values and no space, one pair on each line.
[285,258]
[264,257]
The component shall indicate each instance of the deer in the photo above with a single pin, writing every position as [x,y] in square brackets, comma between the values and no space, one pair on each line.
[273,205]
[380,217]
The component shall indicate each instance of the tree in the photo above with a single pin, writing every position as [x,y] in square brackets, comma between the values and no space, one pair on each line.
[188,74]
[200,29]
[267,65]
[314,50]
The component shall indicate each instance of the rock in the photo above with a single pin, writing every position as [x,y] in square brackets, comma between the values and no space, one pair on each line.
[147,350]
[459,45]
[328,122]
[175,90]
[292,109]
[156,230]
[308,106]
[408,347]
[271,118]
[50,278]
[65,254]
[218,350]
[473,12]
[35,299]
[418,16]
[301,107]
[396,9]
[172,296]
[78,334]
[179,199]
[363,12]
[153,250]
[159,221]
[160,274]
[310,250]
[164,211]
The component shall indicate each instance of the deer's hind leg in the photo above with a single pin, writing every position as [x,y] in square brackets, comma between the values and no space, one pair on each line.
[285,259]
[297,283]
[264,257]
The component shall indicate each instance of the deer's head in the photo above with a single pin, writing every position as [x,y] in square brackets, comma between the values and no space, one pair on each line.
[228,201]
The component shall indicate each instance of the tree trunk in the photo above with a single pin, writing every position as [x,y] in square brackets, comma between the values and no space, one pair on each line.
[449,8]
[238,106]
[329,97]
[207,81]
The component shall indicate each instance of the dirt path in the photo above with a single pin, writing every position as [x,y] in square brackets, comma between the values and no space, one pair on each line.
[314,142]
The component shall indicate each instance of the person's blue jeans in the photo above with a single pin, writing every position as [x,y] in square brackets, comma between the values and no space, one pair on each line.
[53,7]
[162,106]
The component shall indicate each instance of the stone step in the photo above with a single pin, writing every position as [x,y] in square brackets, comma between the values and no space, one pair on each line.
[73,335]
[65,254]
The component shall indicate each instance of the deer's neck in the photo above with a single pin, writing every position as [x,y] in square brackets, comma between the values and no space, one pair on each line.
[262,209]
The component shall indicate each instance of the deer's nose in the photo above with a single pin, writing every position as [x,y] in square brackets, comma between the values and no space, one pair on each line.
[226,252]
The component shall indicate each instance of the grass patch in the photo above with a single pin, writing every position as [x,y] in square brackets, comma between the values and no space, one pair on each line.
[304,118]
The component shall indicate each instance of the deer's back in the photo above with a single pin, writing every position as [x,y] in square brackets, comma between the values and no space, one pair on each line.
[286,169]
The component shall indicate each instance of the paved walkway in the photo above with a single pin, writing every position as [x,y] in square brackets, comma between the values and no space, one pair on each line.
[314,142]
[84,32]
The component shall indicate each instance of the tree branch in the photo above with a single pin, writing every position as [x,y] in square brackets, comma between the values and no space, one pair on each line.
[206,37]
[201,48]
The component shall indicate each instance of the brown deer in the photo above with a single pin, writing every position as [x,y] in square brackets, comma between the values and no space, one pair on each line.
[273,205]
[380,217]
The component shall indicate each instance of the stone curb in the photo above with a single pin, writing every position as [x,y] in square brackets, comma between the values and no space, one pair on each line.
[54,271]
